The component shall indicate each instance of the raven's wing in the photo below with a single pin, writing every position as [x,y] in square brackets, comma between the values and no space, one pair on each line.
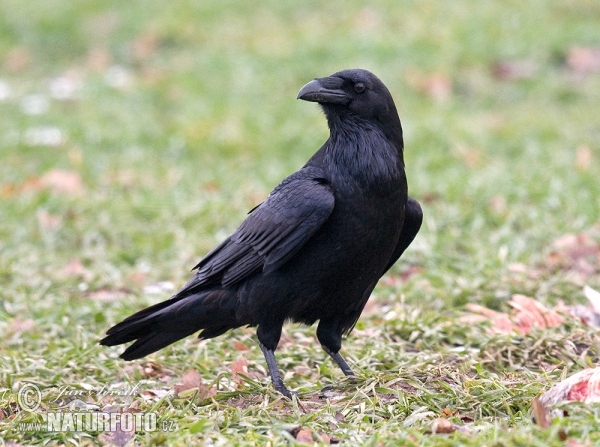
[413,218]
[272,233]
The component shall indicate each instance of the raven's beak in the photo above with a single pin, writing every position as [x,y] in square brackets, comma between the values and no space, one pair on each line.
[325,91]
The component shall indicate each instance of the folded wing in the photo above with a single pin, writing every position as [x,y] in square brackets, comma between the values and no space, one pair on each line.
[271,235]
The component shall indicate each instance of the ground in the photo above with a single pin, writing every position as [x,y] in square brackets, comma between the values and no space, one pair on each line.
[134,136]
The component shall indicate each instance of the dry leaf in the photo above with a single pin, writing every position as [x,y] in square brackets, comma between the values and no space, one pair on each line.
[239,346]
[74,268]
[62,182]
[239,366]
[527,313]
[145,46]
[436,85]
[500,322]
[513,70]
[305,436]
[191,380]
[19,325]
[581,387]
[532,313]
[442,426]
[18,59]
[99,59]
[593,297]
[154,394]
[106,295]
[541,414]
[48,220]
[583,158]
[583,60]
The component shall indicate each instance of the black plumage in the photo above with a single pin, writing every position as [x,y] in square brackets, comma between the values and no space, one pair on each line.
[314,249]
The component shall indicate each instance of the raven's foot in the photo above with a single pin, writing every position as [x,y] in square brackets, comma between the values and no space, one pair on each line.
[340,361]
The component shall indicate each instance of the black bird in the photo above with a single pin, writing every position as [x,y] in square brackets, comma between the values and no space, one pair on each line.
[314,249]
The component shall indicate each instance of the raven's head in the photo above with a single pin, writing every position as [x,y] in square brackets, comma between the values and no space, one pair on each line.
[355,94]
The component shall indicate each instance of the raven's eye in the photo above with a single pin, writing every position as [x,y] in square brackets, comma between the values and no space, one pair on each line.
[359,87]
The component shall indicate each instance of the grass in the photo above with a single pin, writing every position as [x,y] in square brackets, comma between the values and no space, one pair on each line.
[180,118]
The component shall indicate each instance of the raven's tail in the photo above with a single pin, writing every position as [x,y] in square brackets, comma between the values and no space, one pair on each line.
[164,323]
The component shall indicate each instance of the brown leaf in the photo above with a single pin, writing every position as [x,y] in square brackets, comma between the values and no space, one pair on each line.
[437,85]
[144,46]
[239,346]
[99,59]
[571,442]
[190,380]
[62,182]
[583,158]
[305,436]
[152,370]
[583,60]
[48,220]
[500,322]
[533,313]
[74,268]
[540,413]
[514,70]
[239,366]
[442,426]
[527,313]
[156,393]
[18,59]
[583,386]
[19,325]
[105,295]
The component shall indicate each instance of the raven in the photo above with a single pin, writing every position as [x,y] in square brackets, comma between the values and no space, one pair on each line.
[314,249]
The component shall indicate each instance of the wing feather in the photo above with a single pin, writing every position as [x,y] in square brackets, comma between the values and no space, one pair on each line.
[271,235]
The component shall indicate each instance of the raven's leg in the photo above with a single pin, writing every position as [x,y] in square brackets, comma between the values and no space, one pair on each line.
[267,340]
[331,342]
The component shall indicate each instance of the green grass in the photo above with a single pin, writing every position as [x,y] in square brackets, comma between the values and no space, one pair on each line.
[184,117]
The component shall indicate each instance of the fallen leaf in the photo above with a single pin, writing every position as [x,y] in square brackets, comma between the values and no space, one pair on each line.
[145,46]
[500,321]
[239,346]
[442,426]
[305,436]
[106,295]
[239,366]
[74,268]
[99,59]
[17,59]
[541,414]
[593,297]
[154,394]
[47,220]
[437,85]
[17,324]
[62,182]
[152,370]
[583,158]
[532,313]
[514,70]
[583,386]
[190,380]
[583,60]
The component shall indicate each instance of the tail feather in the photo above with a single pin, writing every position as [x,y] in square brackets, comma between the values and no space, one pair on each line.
[164,323]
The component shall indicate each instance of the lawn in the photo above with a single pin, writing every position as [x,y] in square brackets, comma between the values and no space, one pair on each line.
[135,136]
